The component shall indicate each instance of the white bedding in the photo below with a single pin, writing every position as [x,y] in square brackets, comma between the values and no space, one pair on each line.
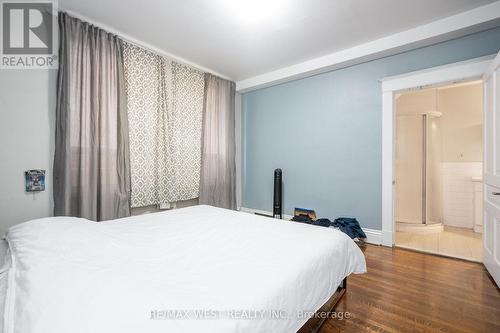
[74,275]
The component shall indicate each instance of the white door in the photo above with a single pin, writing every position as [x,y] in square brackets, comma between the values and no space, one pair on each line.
[491,231]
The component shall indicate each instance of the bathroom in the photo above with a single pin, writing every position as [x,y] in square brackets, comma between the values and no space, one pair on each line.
[439,167]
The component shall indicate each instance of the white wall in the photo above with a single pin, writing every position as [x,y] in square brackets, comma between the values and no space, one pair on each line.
[416,102]
[462,136]
[27,115]
[462,123]
[458,193]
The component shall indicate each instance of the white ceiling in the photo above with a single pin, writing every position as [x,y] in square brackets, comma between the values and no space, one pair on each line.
[244,38]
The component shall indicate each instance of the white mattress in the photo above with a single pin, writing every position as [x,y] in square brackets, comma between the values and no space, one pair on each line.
[74,275]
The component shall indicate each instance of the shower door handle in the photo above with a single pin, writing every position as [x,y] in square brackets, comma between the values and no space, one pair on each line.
[495,193]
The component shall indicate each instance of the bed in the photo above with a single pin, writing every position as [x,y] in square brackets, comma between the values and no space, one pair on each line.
[196,269]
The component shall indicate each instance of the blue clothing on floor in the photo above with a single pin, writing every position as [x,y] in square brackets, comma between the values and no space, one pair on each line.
[350,226]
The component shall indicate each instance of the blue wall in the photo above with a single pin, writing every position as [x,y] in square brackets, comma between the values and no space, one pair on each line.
[325,132]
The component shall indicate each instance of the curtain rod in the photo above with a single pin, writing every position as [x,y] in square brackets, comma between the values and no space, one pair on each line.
[144,45]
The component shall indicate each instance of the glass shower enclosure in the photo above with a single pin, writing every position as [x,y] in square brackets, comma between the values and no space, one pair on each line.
[418,169]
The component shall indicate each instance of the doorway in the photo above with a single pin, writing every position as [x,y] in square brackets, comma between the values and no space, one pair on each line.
[438,169]
[455,73]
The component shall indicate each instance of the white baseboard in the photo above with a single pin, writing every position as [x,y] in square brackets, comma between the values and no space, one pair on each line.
[373,236]
[387,238]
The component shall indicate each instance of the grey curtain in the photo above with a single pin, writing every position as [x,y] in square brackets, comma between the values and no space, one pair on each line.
[91,163]
[218,166]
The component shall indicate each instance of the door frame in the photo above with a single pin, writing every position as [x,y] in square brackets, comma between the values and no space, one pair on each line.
[442,75]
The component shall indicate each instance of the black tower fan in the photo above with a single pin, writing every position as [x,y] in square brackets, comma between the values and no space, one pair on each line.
[278,194]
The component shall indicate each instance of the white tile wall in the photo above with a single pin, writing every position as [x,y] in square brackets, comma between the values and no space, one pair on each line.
[458,192]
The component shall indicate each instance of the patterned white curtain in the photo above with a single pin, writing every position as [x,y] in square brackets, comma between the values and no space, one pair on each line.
[165,107]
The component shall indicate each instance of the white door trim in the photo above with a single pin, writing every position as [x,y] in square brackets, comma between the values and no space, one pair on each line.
[442,75]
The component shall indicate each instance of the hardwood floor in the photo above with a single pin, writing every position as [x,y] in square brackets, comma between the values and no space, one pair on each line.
[406,291]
